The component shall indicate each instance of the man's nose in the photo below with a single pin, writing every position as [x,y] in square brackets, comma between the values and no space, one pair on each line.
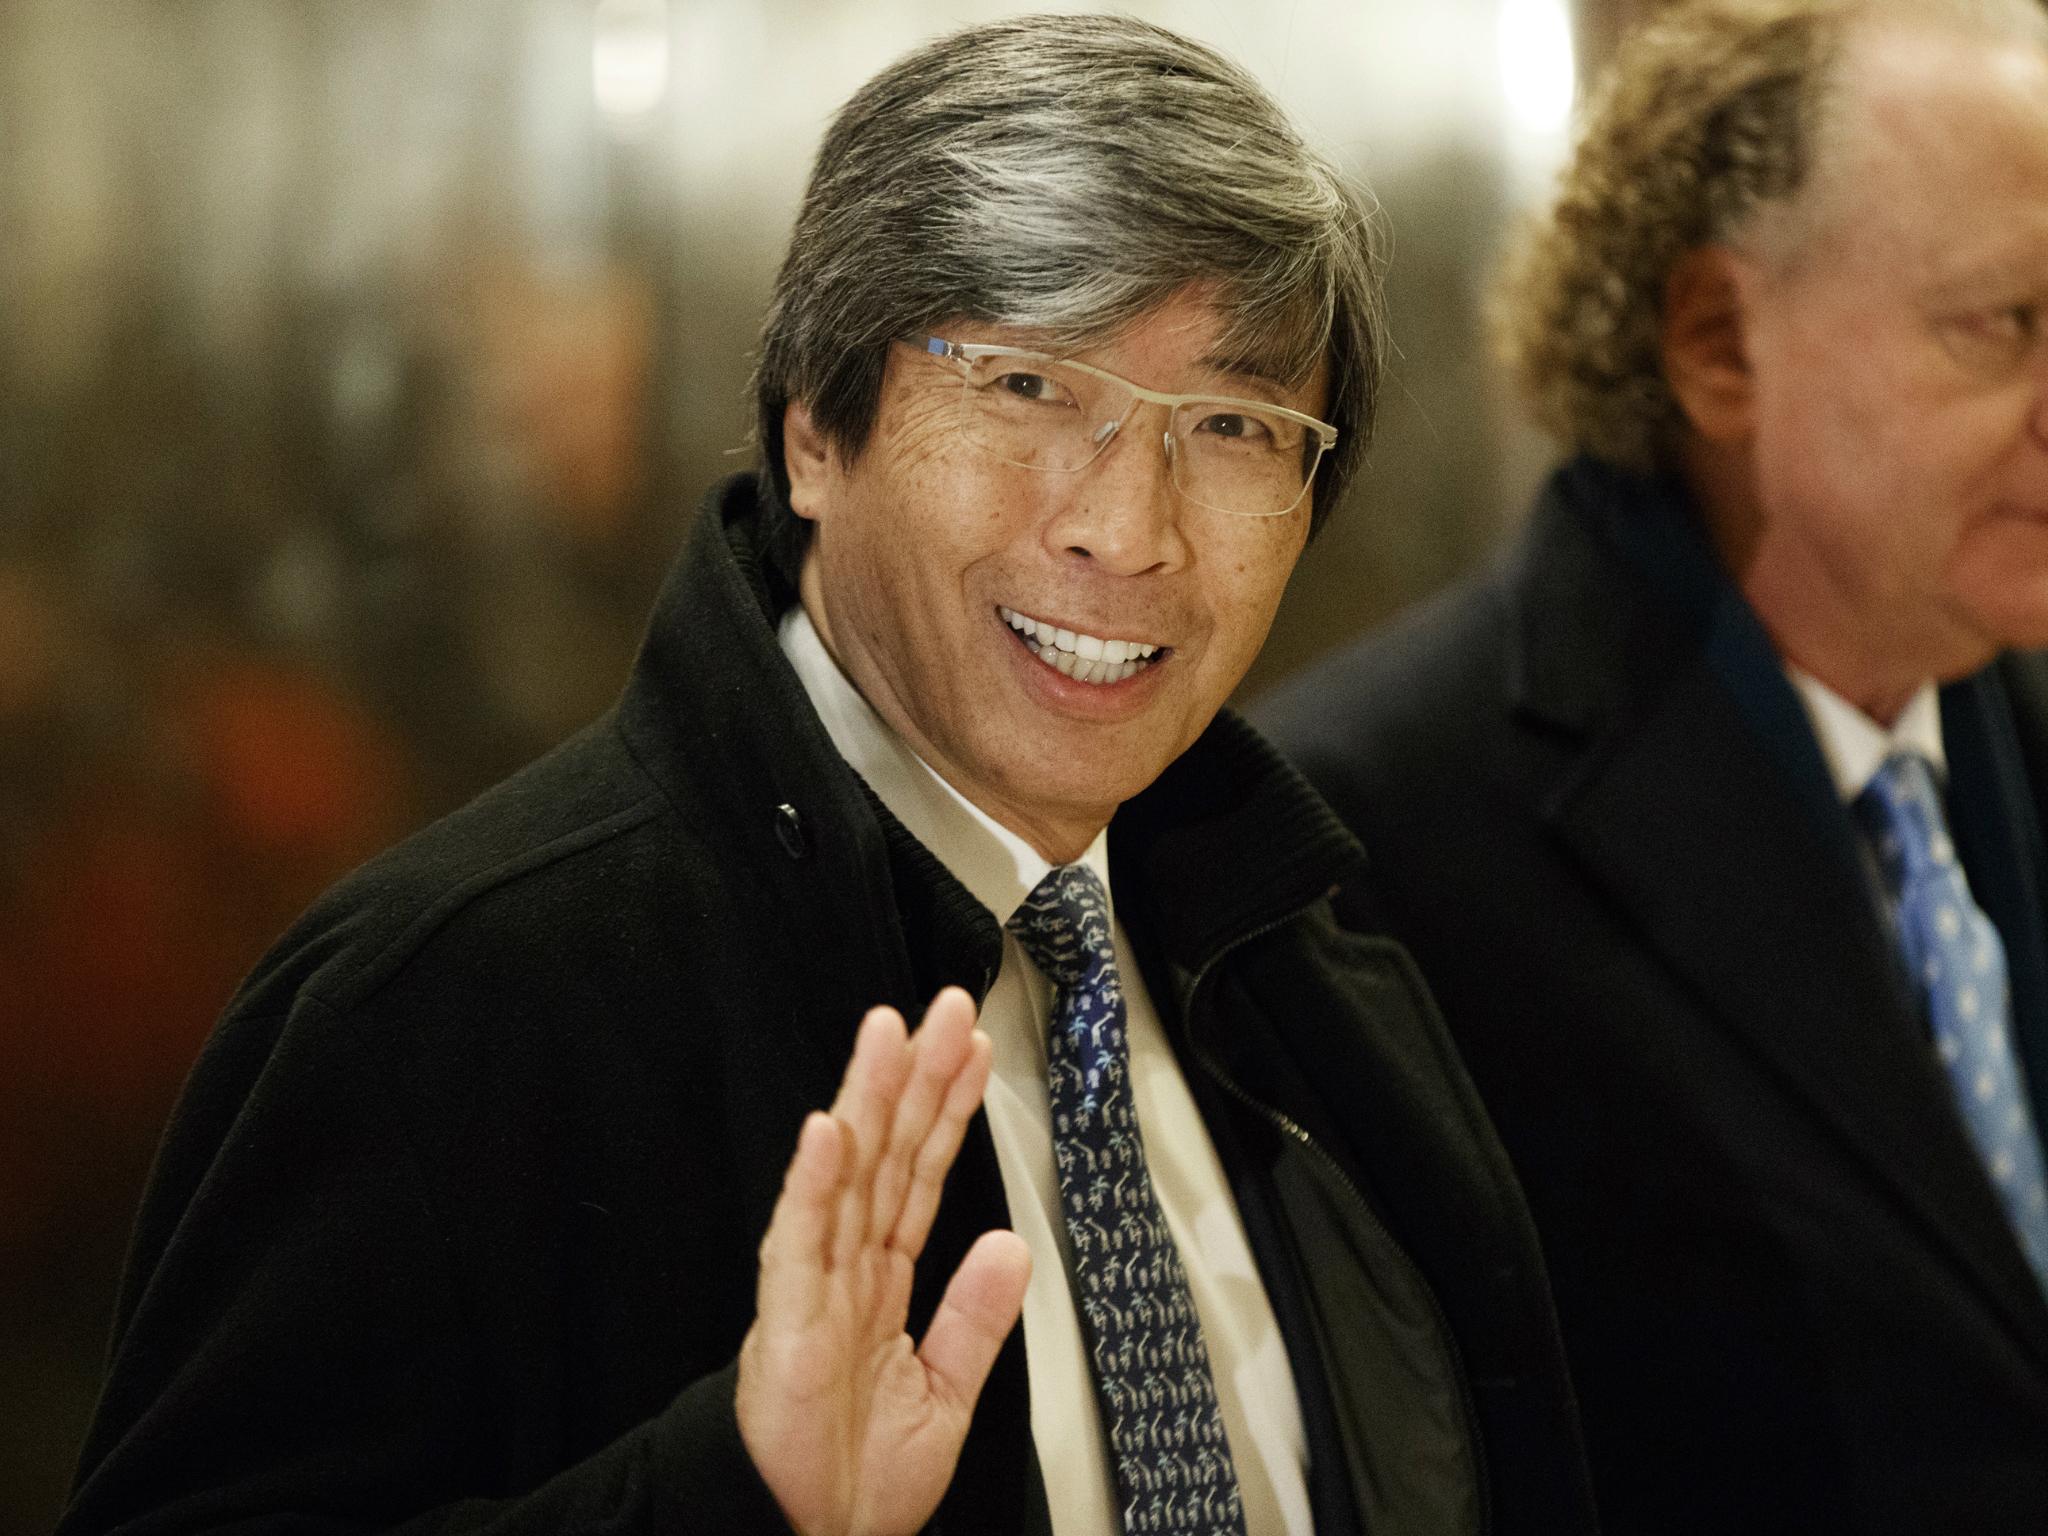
[1123,512]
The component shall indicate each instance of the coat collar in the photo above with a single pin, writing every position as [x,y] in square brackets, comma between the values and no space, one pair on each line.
[1691,789]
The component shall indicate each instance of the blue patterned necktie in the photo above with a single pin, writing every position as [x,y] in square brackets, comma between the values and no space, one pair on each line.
[1173,1466]
[1958,964]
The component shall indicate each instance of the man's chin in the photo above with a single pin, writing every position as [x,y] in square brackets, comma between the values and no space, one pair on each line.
[2012,617]
[1072,790]
[2021,634]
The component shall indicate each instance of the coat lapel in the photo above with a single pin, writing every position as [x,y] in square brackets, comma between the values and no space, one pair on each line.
[1686,801]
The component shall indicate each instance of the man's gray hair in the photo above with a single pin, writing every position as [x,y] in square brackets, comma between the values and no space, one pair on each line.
[1067,174]
[1708,128]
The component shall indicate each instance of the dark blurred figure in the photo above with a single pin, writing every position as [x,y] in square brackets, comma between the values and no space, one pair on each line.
[1670,802]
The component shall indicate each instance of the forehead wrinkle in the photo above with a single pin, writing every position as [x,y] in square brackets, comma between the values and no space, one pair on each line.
[1912,124]
[1921,91]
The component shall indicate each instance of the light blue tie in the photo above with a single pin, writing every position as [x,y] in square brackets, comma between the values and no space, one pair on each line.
[1173,1466]
[1958,964]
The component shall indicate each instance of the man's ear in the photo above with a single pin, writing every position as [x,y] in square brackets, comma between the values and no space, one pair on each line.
[1704,344]
[810,459]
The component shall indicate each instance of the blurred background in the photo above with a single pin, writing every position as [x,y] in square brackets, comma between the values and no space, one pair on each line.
[360,366]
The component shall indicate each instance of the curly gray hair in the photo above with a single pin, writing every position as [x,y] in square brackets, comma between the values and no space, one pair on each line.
[1068,173]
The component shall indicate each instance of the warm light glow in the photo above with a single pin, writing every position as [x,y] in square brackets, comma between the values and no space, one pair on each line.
[1536,73]
[629,57]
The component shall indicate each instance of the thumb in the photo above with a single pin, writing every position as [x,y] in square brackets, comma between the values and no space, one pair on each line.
[981,1306]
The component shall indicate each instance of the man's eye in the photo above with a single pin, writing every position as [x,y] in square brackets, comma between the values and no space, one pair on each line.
[2015,323]
[1031,386]
[1993,338]
[1236,426]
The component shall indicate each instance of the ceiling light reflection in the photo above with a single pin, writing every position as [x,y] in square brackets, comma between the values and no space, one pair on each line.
[629,59]
[1536,73]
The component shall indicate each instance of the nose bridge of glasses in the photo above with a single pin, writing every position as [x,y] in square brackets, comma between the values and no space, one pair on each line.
[1107,404]
[1106,431]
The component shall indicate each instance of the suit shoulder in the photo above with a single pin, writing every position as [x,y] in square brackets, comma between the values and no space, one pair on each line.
[2025,675]
[1421,683]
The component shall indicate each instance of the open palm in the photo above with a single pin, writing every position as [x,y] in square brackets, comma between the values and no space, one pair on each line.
[855,1428]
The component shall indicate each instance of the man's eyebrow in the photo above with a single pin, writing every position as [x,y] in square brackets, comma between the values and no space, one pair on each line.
[2015,258]
[1963,283]
[1260,372]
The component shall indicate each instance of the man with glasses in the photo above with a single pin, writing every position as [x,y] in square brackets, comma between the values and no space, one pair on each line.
[503,1199]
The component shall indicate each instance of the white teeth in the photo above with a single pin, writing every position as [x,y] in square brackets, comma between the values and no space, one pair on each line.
[1085,658]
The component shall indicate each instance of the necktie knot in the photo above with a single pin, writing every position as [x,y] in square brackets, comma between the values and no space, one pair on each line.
[1064,925]
[1902,814]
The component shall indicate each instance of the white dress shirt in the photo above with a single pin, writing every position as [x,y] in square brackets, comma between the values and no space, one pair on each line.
[1254,1382]
[1855,746]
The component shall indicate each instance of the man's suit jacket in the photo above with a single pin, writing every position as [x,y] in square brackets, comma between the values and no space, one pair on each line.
[1595,811]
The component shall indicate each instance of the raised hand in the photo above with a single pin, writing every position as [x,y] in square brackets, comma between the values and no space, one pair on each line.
[854,1428]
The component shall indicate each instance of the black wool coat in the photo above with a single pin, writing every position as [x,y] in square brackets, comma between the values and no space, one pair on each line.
[455,1227]
[1598,816]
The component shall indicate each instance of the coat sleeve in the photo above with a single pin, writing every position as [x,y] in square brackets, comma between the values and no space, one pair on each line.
[293,1350]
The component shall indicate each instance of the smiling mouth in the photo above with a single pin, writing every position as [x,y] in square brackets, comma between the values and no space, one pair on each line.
[1084,658]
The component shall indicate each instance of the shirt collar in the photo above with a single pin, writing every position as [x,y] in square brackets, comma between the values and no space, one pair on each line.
[998,868]
[1855,745]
